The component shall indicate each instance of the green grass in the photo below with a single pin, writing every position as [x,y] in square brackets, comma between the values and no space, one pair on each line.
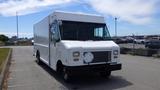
[3,55]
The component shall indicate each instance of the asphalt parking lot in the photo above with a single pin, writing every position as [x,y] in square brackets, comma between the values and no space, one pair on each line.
[138,73]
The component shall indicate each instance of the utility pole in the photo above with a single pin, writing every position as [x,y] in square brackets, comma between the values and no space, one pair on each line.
[17,24]
[133,49]
[115,27]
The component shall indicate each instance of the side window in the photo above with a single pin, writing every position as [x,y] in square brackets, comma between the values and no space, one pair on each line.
[98,32]
[54,32]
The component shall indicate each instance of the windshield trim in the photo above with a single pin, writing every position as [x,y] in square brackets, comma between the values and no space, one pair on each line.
[105,37]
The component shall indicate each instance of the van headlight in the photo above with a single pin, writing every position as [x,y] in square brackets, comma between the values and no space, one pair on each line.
[76,54]
[115,52]
[88,57]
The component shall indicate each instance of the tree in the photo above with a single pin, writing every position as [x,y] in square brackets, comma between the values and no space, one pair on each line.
[3,38]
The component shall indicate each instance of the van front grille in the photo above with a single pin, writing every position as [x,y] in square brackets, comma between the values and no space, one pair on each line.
[101,56]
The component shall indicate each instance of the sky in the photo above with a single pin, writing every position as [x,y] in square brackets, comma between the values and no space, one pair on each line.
[139,17]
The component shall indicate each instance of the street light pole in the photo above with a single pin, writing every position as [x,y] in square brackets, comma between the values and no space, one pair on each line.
[115,27]
[17,24]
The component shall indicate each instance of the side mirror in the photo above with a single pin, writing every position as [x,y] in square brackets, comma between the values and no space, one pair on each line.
[55,41]
[58,40]
[60,23]
[53,32]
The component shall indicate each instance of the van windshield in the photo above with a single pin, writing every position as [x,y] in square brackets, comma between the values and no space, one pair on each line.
[83,31]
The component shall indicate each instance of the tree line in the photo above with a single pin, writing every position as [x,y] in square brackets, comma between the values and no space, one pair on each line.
[3,38]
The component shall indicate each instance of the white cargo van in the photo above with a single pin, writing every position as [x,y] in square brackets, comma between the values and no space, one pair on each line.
[71,43]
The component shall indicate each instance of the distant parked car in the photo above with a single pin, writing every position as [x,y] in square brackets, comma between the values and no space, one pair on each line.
[153,44]
[119,40]
[32,41]
[129,39]
[139,41]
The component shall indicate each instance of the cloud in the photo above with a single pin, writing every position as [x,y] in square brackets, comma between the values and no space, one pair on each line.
[23,7]
[134,11]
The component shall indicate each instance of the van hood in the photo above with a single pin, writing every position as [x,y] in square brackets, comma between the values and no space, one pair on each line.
[108,45]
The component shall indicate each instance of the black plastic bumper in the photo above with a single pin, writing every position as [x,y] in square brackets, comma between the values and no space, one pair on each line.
[93,68]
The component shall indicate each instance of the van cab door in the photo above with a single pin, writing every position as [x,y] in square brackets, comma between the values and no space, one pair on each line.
[54,38]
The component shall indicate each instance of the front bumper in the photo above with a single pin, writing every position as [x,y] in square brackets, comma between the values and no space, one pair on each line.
[93,68]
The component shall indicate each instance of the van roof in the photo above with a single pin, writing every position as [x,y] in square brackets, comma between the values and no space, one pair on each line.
[79,17]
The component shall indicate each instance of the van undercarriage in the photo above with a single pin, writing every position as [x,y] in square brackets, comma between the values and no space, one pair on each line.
[92,68]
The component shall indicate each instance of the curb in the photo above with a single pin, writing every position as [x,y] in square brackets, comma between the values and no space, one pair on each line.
[5,69]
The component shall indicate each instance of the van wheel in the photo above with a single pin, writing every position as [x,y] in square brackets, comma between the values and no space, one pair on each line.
[59,68]
[66,76]
[105,74]
[38,58]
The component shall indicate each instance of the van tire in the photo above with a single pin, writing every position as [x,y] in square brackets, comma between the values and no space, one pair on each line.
[105,74]
[38,58]
[61,70]
[66,76]
[59,67]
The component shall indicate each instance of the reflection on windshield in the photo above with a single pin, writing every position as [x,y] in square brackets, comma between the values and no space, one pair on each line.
[83,31]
